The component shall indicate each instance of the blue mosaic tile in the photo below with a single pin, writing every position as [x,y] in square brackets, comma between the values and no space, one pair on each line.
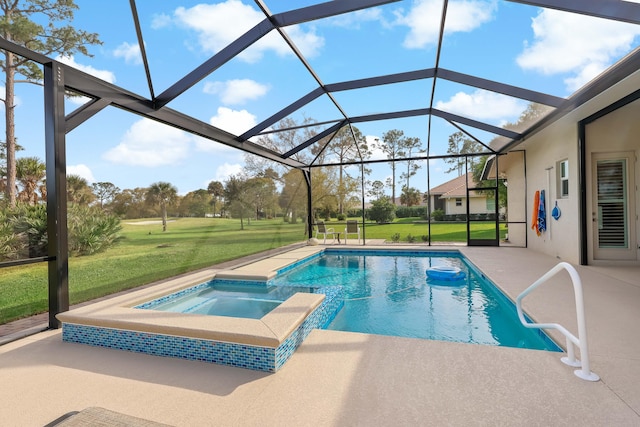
[166,298]
[223,353]
[395,252]
[239,282]
[299,262]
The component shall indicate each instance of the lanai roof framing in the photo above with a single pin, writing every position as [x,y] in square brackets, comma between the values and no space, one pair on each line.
[105,94]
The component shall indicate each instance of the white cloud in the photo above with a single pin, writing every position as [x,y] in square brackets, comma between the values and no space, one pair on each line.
[424,18]
[225,170]
[308,42]
[82,171]
[105,75]
[130,53]
[220,24]
[237,91]
[353,20]
[149,143]
[580,45]
[233,121]
[160,21]
[483,105]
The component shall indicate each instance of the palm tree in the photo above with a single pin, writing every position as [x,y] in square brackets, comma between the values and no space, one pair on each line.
[30,172]
[79,191]
[163,194]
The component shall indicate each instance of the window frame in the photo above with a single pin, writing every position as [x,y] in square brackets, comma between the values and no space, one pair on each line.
[562,177]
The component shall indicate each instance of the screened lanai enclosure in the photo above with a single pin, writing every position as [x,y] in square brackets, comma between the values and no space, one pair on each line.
[242,124]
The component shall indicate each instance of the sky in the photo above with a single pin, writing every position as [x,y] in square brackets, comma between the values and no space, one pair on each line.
[542,50]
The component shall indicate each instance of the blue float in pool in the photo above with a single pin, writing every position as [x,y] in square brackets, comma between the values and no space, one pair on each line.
[445,273]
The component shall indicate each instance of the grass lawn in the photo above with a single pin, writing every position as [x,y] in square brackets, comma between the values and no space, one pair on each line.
[145,254]
[440,231]
[142,255]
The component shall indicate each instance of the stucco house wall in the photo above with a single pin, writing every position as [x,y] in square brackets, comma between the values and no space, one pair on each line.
[554,143]
[476,205]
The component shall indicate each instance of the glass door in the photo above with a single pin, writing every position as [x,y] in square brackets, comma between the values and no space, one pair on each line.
[613,230]
[482,217]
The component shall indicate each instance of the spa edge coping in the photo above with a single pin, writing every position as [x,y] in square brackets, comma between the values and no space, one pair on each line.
[269,331]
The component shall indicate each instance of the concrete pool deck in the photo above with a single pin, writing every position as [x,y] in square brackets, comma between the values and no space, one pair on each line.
[338,378]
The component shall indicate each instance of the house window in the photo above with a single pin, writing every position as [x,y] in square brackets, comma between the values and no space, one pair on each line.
[491,204]
[458,202]
[563,179]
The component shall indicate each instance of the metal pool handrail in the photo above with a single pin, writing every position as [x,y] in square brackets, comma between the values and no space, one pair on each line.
[584,373]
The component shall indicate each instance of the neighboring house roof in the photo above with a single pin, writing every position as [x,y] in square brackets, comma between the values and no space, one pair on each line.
[454,188]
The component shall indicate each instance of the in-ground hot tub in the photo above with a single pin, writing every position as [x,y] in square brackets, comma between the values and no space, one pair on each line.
[263,344]
[232,298]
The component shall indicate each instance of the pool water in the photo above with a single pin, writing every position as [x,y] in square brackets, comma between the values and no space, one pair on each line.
[246,301]
[391,294]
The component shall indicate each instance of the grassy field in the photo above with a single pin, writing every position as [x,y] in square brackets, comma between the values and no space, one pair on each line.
[440,232]
[145,254]
[142,255]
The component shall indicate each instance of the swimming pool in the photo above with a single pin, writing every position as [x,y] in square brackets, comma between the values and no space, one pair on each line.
[382,292]
[389,293]
[330,298]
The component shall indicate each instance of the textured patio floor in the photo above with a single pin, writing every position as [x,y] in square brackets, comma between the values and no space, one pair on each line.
[338,378]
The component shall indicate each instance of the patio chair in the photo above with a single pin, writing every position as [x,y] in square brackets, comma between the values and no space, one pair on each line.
[322,229]
[351,228]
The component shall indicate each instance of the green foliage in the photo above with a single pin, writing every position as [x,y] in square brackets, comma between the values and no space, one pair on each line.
[437,215]
[21,23]
[163,194]
[30,222]
[411,211]
[424,238]
[395,237]
[459,144]
[341,217]
[382,211]
[91,230]
[23,230]
[104,192]
[410,196]
[11,244]
[30,173]
[411,238]
[79,191]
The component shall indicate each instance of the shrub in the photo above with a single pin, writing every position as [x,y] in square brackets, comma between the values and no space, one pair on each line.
[437,215]
[341,217]
[425,238]
[11,245]
[382,211]
[411,238]
[411,211]
[91,230]
[30,222]
[395,238]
